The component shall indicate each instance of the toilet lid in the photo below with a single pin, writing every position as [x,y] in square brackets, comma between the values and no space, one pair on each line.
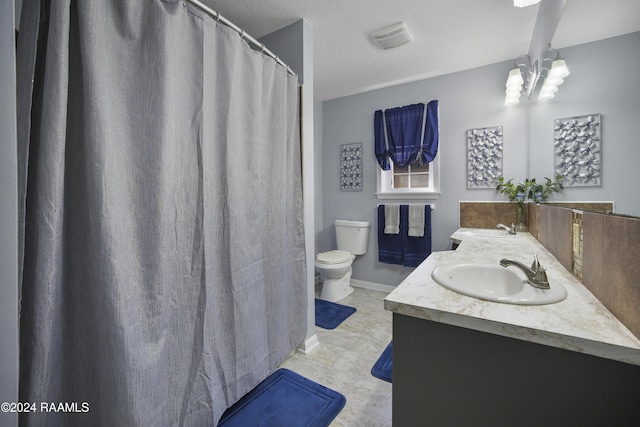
[333,257]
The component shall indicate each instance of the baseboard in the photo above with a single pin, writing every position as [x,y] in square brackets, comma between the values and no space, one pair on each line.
[309,345]
[365,285]
[372,285]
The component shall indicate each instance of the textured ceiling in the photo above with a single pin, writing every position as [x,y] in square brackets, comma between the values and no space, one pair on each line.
[450,35]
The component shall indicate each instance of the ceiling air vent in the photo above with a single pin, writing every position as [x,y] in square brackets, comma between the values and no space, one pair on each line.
[392,36]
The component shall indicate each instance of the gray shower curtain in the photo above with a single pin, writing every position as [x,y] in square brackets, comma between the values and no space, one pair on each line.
[164,265]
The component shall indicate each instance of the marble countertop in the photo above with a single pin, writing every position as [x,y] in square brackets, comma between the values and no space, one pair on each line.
[578,323]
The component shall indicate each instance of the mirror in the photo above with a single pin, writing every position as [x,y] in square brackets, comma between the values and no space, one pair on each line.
[603,81]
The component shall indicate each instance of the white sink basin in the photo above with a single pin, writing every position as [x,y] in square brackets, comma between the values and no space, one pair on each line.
[480,232]
[495,283]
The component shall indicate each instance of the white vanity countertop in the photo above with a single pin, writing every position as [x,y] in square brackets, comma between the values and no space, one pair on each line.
[578,323]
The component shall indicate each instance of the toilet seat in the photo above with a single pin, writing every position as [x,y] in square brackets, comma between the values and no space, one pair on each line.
[333,257]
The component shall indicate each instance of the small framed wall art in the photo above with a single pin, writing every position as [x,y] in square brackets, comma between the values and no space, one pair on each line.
[484,157]
[351,167]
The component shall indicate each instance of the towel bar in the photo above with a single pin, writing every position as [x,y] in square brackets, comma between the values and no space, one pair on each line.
[433,206]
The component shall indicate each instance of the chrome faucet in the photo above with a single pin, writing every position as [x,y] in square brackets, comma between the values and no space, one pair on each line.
[536,275]
[511,230]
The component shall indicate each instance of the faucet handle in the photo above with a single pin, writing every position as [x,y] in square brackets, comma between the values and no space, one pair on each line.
[535,266]
[540,277]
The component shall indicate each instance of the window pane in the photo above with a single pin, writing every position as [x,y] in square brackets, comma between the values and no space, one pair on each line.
[400,181]
[400,170]
[423,168]
[419,181]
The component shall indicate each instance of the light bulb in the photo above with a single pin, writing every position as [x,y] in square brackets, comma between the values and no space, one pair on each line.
[559,69]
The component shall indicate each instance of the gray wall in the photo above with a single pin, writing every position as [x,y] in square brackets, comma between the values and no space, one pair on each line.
[294,44]
[318,181]
[8,216]
[474,99]
[469,99]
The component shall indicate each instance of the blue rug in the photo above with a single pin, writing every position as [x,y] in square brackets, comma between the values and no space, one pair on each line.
[382,368]
[329,314]
[285,399]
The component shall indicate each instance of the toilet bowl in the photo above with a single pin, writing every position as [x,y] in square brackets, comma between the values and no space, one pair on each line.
[335,274]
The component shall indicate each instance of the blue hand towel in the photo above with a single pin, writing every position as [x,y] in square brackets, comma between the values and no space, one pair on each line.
[389,245]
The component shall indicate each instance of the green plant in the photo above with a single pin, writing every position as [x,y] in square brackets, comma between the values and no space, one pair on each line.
[529,189]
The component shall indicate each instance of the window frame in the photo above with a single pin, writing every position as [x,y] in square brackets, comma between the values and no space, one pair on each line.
[385,188]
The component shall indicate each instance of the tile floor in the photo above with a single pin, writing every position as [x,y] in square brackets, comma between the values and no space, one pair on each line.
[344,359]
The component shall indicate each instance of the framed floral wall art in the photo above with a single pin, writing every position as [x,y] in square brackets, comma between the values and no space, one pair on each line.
[578,149]
[351,167]
[484,157]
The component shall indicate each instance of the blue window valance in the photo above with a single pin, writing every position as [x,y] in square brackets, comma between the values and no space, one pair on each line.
[406,135]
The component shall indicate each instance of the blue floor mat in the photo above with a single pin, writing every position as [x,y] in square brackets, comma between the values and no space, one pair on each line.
[383,366]
[285,399]
[329,314]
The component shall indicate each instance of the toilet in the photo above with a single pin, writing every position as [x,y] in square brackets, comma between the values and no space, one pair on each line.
[334,266]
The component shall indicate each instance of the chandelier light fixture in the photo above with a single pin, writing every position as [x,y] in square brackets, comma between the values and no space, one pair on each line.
[525,76]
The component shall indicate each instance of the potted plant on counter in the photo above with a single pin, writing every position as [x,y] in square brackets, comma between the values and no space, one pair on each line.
[528,190]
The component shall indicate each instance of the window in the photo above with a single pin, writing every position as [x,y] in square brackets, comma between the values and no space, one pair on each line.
[412,182]
[402,135]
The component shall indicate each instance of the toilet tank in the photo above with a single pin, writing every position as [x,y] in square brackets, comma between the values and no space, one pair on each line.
[352,236]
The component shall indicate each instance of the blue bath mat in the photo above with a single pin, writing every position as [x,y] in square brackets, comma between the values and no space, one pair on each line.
[285,399]
[329,314]
[382,368]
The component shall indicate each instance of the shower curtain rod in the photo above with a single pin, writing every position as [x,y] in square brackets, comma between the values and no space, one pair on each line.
[219,18]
